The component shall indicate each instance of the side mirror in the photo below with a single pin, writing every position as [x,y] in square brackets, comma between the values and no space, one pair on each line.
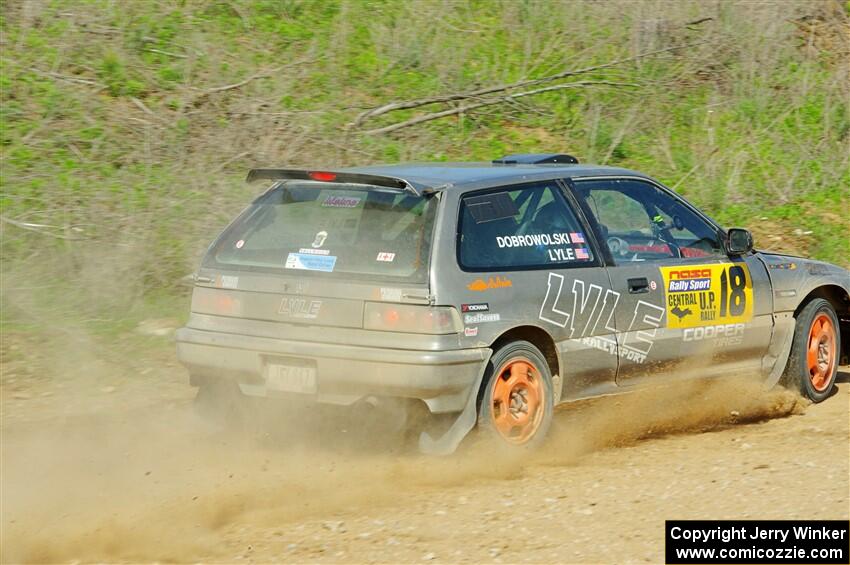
[739,241]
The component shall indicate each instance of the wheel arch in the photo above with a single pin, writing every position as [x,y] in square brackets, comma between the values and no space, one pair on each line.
[541,339]
[840,300]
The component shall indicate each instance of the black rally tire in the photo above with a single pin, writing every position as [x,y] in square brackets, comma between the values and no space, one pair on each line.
[798,375]
[539,379]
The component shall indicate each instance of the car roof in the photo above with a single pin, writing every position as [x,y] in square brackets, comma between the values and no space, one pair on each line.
[439,176]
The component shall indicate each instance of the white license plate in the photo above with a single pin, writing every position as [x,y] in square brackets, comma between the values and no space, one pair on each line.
[291,378]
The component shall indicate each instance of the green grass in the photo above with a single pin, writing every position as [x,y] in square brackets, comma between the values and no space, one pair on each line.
[118,136]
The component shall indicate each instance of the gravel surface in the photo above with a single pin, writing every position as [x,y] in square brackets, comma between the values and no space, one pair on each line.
[122,470]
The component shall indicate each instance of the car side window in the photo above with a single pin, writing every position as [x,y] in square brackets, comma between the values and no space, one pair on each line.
[640,222]
[620,213]
[530,226]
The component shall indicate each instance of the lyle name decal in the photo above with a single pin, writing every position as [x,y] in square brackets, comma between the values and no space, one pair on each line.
[300,308]
[589,308]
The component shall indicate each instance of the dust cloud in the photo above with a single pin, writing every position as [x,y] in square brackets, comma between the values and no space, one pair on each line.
[157,482]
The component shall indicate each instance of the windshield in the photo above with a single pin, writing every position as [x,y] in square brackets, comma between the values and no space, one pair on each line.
[307,228]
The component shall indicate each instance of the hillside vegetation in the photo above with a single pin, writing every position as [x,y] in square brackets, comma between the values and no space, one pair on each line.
[128,126]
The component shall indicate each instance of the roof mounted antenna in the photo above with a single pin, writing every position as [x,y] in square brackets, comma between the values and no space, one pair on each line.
[537,159]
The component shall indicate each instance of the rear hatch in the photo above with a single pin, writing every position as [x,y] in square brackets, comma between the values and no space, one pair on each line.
[311,253]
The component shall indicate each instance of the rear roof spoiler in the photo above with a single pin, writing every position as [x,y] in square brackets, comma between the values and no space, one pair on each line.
[537,159]
[338,177]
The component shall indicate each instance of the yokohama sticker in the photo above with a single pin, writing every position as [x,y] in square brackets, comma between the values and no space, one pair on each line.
[707,295]
[480,307]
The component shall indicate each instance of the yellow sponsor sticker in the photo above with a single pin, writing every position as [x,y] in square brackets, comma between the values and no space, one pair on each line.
[707,295]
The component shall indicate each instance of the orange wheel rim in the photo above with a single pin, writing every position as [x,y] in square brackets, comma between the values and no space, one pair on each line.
[820,353]
[518,400]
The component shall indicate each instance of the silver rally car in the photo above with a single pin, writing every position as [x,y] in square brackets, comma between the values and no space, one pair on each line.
[494,291]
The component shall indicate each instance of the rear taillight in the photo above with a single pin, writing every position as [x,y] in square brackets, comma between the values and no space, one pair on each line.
[411,319]
[216,302]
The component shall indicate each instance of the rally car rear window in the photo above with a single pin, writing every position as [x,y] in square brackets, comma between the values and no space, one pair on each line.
[343,230]
[528,227]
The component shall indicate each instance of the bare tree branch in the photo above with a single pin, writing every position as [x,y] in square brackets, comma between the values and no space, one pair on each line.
[241,83]
[404,105]
[166,53]
[141,106]
[42,229]
[67,78]
[491,101]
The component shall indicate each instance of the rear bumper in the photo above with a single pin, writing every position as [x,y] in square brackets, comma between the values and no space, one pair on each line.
[344,373]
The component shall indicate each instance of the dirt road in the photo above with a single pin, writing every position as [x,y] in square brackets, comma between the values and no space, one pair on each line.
[122,470]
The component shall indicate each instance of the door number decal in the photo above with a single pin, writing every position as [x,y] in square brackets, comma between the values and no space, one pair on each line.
[708,295]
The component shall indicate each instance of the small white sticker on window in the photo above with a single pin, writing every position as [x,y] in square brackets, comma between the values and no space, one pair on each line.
[320,239]
[386,257]
[310,251]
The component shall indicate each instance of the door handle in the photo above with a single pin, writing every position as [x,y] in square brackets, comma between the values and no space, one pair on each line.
[638,286]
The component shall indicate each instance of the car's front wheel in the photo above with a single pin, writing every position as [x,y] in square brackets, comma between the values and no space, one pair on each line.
[813,363]
[517,402]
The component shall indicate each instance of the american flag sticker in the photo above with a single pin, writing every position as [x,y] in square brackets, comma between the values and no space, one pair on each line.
[581,253]
[577,237]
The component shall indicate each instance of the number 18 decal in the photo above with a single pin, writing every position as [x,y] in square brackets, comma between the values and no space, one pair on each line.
[707,295]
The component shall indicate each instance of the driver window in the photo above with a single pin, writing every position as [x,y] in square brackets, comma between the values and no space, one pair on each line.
[620,213]
[640,222]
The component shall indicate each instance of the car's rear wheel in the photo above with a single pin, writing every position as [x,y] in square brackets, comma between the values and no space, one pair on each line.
[517,402]
[813,363]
